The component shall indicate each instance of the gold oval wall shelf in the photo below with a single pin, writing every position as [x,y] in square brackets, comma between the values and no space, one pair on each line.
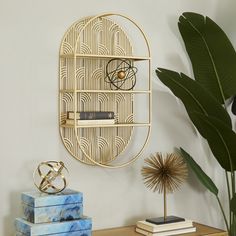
[86,48]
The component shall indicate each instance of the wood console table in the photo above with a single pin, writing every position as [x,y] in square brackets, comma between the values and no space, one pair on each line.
[202,230]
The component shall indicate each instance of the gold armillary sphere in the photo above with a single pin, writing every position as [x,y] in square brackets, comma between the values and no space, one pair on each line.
[49,177]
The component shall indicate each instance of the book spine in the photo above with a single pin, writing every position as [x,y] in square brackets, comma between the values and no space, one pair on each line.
[96,115]
[87,122]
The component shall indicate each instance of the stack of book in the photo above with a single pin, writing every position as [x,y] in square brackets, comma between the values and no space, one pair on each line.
[90,117]
[151,229]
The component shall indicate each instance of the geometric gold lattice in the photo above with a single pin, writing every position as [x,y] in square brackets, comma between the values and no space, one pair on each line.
[85,50]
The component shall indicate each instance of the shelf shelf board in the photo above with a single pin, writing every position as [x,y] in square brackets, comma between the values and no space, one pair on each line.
[95,56]
[108,125]
[103,91]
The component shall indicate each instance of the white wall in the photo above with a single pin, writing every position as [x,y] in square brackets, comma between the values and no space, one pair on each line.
[31,32]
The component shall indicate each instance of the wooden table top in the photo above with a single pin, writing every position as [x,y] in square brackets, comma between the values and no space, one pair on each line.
[202,230]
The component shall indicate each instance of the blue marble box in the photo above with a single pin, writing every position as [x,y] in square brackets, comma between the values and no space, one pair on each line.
[75,233]
[81,227]
[42,208]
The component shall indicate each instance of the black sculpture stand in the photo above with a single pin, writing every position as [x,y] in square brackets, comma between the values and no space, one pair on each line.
[167,220]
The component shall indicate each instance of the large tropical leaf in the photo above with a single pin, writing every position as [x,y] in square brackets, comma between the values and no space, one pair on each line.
[211,53]
[201,175]
[194,97]
[221,139]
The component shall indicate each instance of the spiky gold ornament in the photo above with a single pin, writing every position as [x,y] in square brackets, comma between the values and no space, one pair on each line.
[164,173]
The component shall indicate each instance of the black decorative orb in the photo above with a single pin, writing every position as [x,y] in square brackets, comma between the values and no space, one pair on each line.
[120,74]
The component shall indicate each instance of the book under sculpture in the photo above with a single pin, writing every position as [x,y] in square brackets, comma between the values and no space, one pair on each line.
[90,122]
[168,232]
[91,115]
[142,224]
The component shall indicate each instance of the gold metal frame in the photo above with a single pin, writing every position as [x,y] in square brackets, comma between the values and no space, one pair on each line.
[85,49]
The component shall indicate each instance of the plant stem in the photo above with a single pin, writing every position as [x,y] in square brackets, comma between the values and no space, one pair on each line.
[233,192]
[223,213]
[231,216]
[232,221]
[233,182]
[229,197]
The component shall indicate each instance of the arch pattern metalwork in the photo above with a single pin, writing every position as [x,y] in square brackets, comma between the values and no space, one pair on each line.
[85,49]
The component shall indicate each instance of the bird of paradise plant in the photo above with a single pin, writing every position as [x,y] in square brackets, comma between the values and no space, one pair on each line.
[213,60]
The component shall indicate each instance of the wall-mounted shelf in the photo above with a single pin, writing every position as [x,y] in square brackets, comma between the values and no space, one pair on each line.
[103,91]
[96,56]
[107,126]
[86,49]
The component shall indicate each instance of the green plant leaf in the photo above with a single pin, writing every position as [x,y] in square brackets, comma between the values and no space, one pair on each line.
[201,175]
[194,97]
[221,139]
[211,53]
[233,204]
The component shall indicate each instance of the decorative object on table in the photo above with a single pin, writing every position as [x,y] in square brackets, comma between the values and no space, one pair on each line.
[58,214]
[88,47]
[155,228]
[80,227]
[213,61]
[165,229]
[121,74]
[164,173]
[43,208]
[167,232]
[50,177]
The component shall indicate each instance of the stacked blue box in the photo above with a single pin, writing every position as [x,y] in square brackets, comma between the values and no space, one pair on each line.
[79,227]
[41,207]
[57,215]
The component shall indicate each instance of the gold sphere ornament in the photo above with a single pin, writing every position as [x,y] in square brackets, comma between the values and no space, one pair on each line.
[164,173]
[121,74]
[50,177]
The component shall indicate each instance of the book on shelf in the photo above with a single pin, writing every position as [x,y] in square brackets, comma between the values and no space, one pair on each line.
[91,115]
[90,122]
[143,224]
[166,233]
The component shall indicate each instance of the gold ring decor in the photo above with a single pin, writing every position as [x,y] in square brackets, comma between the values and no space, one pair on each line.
[49,177]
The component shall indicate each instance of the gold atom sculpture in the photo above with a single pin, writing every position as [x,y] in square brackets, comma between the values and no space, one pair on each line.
[49,177]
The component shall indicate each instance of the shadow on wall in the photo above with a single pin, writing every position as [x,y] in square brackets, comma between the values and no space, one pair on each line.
[224,15]
[175,59]
[170,119]
[15,211]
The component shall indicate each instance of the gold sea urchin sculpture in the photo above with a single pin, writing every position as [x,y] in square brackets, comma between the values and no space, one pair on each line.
[164,174]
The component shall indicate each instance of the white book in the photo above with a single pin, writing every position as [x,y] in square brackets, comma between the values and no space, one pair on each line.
[90,122]
[142,224]
[166,233]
